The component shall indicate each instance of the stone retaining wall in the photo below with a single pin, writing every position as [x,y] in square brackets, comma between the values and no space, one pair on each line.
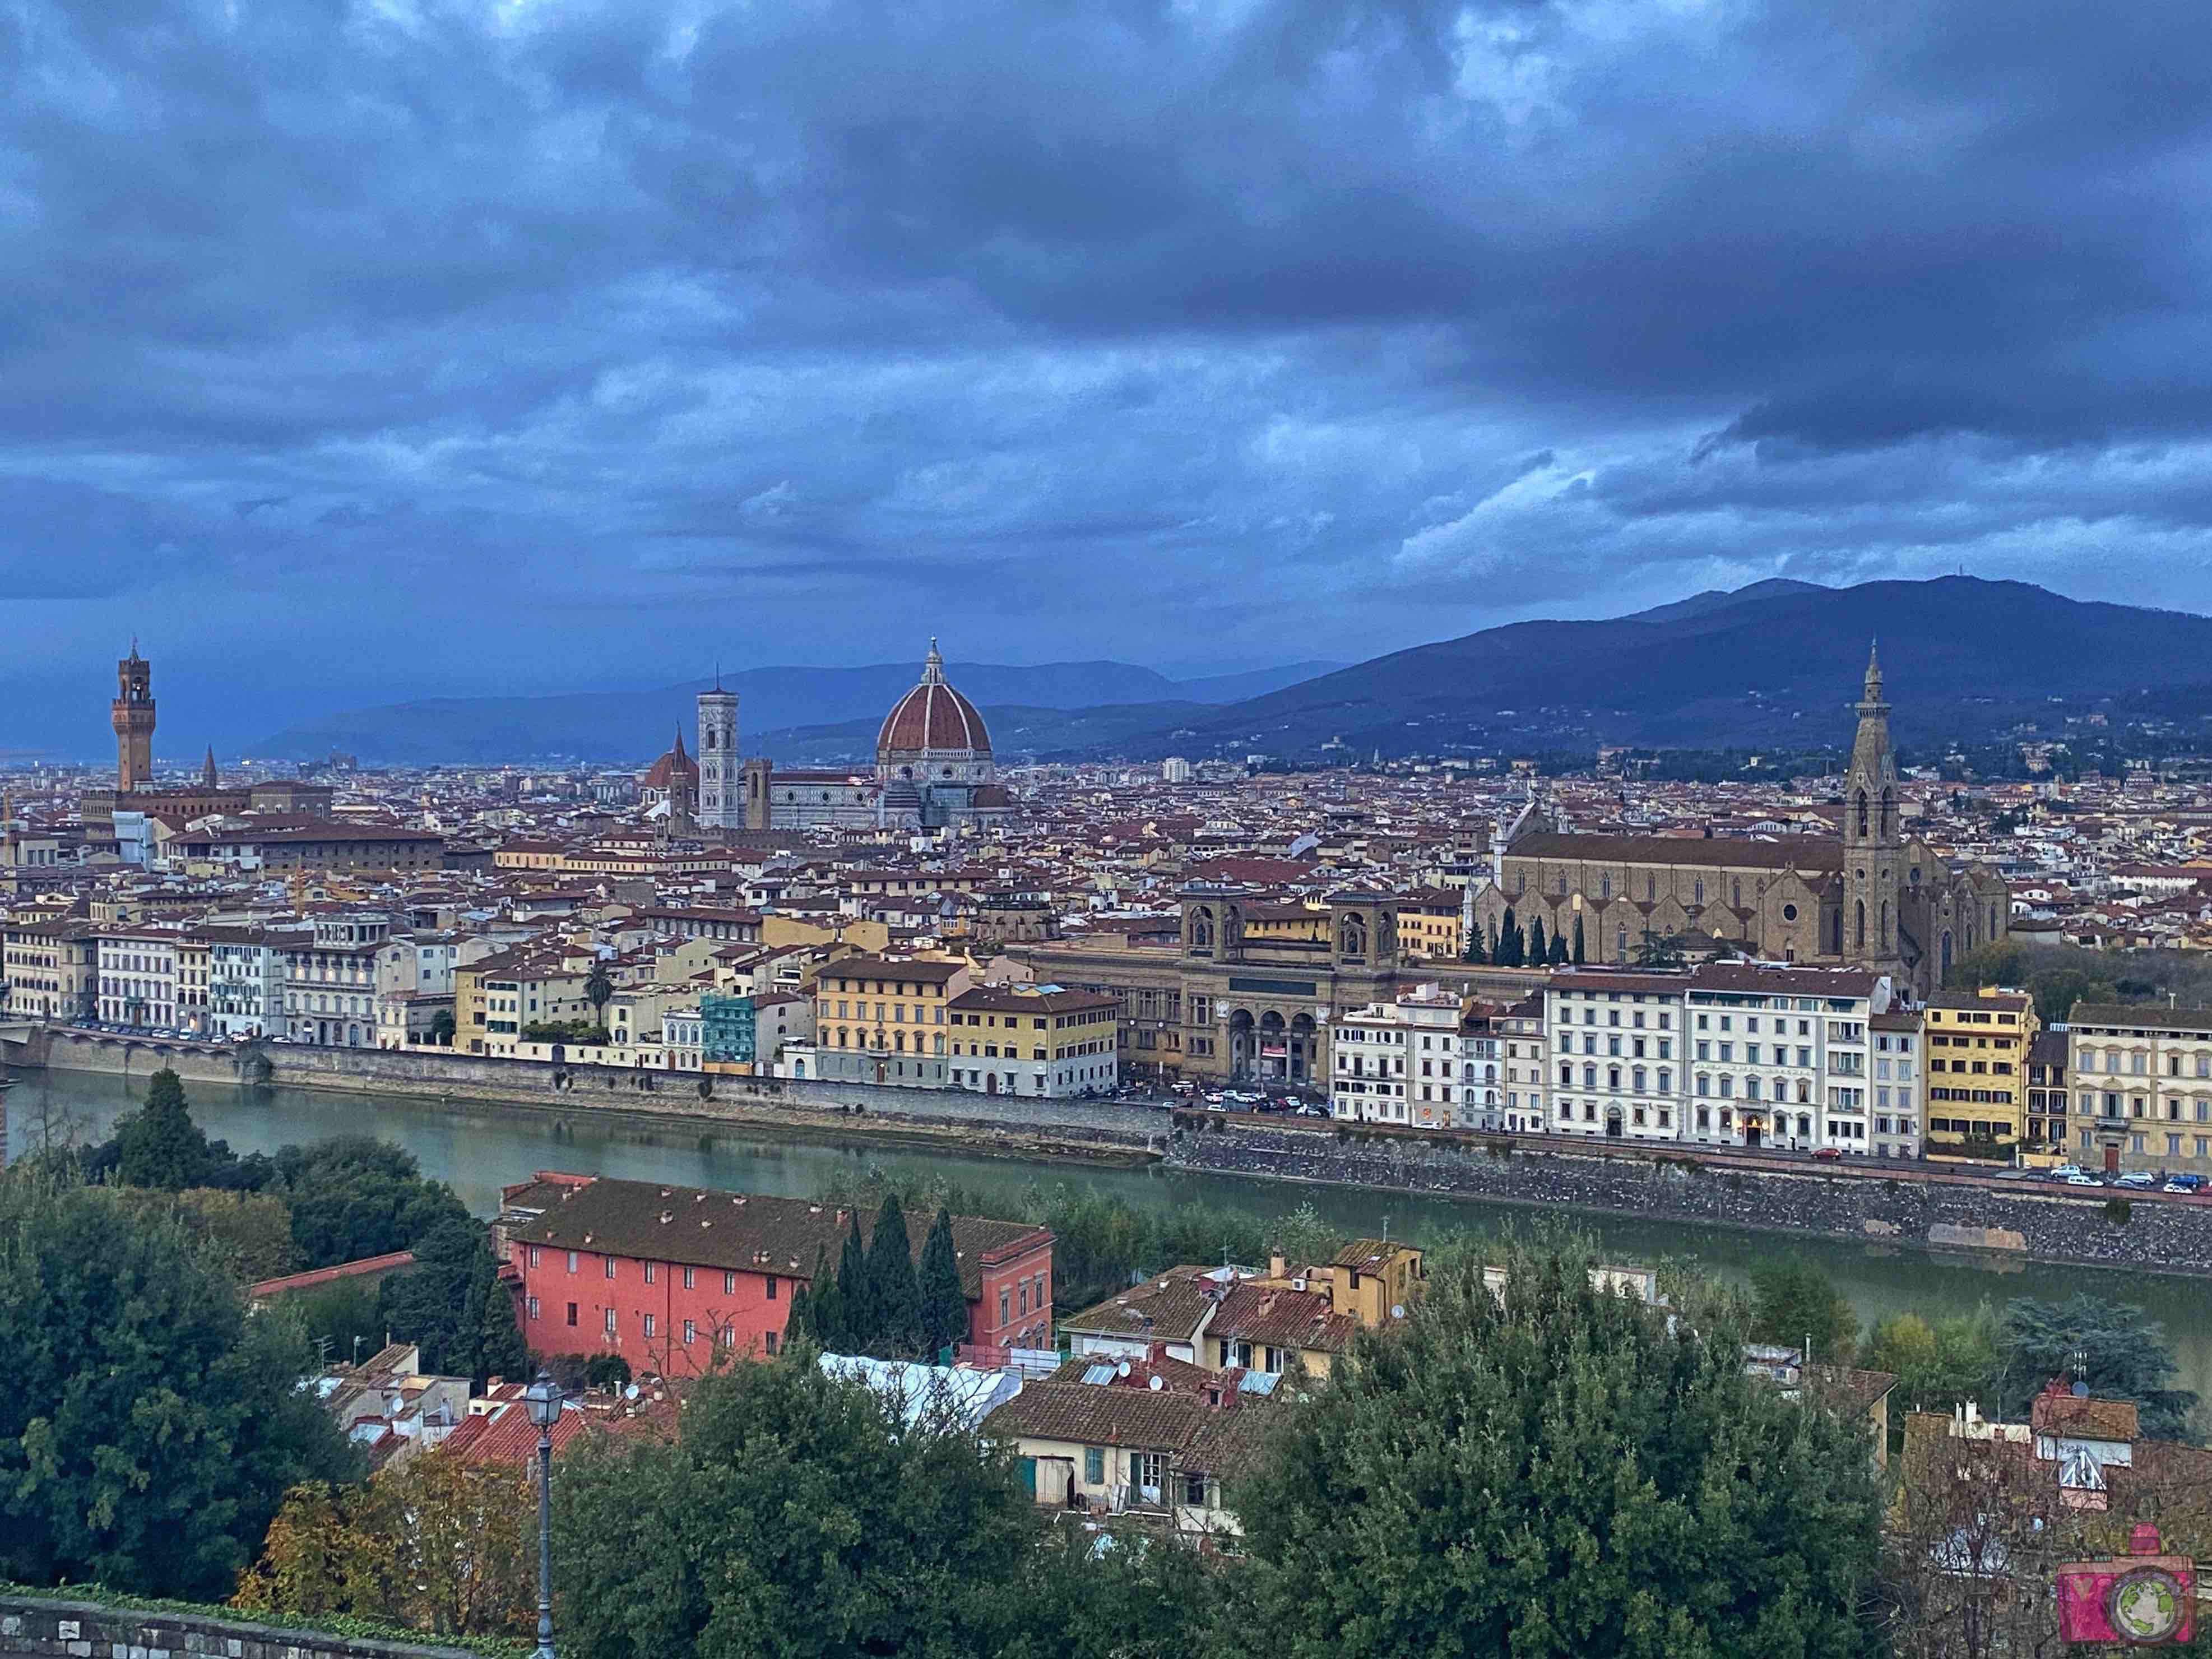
[82,1630]
[1003,1122]
[2171,1237]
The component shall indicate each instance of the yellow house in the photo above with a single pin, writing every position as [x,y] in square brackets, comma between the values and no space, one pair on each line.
[1977,1044]
[1428,924]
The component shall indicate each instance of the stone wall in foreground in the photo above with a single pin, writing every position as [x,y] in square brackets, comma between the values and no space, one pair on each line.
[78,1630]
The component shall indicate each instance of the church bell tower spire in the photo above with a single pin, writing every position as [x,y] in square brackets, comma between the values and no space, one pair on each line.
[1873,844]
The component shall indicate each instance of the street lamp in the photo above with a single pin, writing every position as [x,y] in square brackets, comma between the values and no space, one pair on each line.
[542,1399]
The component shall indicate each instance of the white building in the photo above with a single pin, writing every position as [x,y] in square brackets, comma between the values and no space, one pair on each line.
[1398,1062]
[1615,1040]
[1779,1057]
[679,1038]
[330,982]
[1901,1084]
[138,980]
[245,981]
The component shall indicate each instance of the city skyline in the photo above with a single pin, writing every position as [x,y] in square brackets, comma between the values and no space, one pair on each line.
[460,351]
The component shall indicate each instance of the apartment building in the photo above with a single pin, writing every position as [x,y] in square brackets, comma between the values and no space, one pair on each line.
[1521,1032]
[50,966]
[1900,1083]
[2143,1077]
[246,980]
[882,1019]
[1979,1042]
[1032,1040]
[1398,1062]
[1616,1046]
[138,980]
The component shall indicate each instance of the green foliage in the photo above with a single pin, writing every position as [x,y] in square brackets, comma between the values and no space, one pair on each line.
[150,1429]
[1471,949]
[944,1304]
[1511,950]
[2123,1355]
[451,1304]
[348,1625]
[2058,976]
[247,1235]
[585,1032]
[826,1305]
[856,1303]
[1558,956]
[794,1518]
[1792,1300]
[1556,1473]
[1937,1365]
[1656,950]
[341,1319]
[598,987]
[1306,1238]
[353,1197]
[1540,949]
[894,1297]
[442,1027]
[159,1146]
[1578,939]
[606,1370]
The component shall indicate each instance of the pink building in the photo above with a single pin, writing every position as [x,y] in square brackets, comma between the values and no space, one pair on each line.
[661,1274]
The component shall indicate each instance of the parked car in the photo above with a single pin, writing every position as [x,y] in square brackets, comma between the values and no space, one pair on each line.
[2183,1183]
[2136,1180]
[2083,1181]
[1830,1153]
[2067,1172]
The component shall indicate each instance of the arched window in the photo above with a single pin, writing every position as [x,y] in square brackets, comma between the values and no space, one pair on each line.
[1889,812]
[1202,927]
[1862,811]
[1620,944]
[1352,937]
[1885,924]
[1859,906]
[1605,885]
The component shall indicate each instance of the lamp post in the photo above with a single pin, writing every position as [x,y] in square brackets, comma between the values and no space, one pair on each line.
[543,1397]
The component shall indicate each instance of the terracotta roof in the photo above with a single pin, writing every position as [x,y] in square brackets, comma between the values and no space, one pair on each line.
[1171,1308]
[740,1231]
[1810,852]
[933,717]
[2085,1418]
[1098,1415]
[1284,1319]
[672,765]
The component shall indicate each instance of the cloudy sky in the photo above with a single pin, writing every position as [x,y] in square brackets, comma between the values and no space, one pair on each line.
[358,350]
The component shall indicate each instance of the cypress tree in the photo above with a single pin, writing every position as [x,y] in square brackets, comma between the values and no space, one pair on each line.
[1578,939]
[1558,949]
[893,1299]
[1539,952]
[798,1318]
[159,1144]
[1471,948]
[827,1305]
[1508,954]
[856,1328]
[944,1304]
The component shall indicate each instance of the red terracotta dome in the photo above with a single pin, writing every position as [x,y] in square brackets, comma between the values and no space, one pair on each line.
[672,766]
[933,716]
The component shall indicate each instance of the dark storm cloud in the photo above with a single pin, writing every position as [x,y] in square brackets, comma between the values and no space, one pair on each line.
[471,339]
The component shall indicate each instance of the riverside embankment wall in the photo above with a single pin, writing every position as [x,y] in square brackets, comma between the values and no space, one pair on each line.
[62,1629]
[2037,1221]
[1003,1125]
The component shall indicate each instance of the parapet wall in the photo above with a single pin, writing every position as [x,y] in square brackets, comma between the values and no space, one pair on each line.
[82,1630]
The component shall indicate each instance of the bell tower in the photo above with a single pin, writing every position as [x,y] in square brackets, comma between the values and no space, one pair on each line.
[1873,843]
[722,781]
[132,716]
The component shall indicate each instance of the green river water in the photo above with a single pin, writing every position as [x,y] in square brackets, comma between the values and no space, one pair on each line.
[479,1148]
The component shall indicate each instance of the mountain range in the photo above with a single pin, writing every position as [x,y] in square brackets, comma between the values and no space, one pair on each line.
[624,725]
[1773,664]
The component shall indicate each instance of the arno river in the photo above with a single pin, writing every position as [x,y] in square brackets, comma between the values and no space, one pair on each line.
[477,1149]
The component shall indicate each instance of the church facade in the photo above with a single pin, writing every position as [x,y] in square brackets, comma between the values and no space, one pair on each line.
[933,770]
[1872,897]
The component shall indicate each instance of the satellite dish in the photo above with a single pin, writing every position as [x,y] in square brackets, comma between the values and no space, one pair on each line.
[2080,1389]
[1156,1385]
[1397,1310]
[1123,1368]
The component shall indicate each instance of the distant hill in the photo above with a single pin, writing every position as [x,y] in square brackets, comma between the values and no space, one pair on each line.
[630,726]
[1776,663]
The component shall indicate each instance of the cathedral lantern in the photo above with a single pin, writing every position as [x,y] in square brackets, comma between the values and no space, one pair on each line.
[2143,1598]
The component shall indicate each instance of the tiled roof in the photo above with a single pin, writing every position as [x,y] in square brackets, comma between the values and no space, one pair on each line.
[1815,854]
[696,1226]
[1284,1319]
[1097,1415]
[2087,1419]
[1169,1308]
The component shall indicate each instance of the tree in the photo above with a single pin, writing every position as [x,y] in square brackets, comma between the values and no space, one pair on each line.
[159,1144]
[150,1429]
[1938,1366]
[1559,946]
[1471,947]
[1657,950]
[1509,943]
[1539,948]
[442,1028]
[1793,1302]
[795,1517]
[1578,939]
[452,1304]
[598,990]
[353,1197]
[857,1323]
[943,1303]
[247,1235]
[1504,1472]
[1305,1237]
[2113,1348]
[341,1319]
[606,1372]
[434,1544]
[827,1306]
[894,1297]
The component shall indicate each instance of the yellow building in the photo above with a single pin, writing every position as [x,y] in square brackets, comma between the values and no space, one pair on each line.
[1977,1044]
[882,1019]
[1428,924]
[1306,923]
[496,999]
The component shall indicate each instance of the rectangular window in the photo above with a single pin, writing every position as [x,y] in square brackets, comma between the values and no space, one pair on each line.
[1094,1466]
[534,1255]
[533,1307]
[572,1315]
[572,1261]
[691,1333]
[771,1287]
[729,1284]
[688,1280]
[648,1325]
[768,1341]
[610,1321]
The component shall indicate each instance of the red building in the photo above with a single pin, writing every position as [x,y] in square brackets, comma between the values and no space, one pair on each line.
[659,1275]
